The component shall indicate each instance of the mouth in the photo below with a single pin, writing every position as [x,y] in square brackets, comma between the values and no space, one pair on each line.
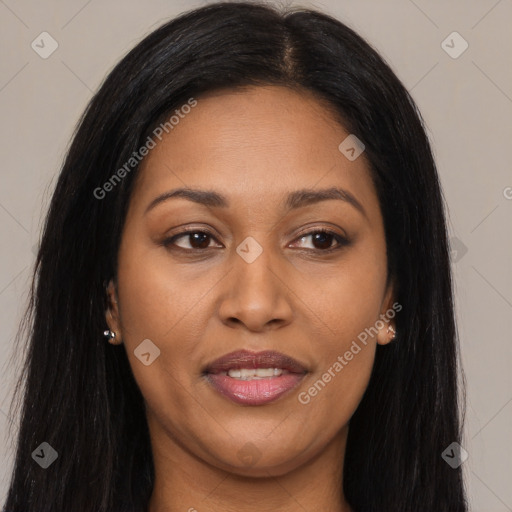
[254,378]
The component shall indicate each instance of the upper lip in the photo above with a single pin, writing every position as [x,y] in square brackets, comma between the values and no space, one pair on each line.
[246,359]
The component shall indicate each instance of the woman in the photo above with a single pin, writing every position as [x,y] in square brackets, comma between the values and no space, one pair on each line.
[242,298]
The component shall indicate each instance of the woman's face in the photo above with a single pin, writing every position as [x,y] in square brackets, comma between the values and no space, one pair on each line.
[262,279]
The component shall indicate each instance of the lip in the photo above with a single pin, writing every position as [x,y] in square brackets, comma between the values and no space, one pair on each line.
[257,391]
[247,359]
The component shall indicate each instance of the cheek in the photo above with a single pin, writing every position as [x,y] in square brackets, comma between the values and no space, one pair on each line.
[168,307]
[155,305]
[346,304]
[338,383]
[155,299]
[345,299]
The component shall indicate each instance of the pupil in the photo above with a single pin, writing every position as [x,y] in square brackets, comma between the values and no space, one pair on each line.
[202,238]
[323,238]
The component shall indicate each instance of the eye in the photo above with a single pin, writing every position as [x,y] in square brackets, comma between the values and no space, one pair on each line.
[322,240]
[197,239]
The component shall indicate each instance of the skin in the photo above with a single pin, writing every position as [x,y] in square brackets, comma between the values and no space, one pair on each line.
[254,146]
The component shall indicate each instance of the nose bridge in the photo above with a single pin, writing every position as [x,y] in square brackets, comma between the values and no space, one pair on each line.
[252,265]
[255,295]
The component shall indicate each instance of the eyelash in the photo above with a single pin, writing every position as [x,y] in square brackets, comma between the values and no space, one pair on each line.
[342,241]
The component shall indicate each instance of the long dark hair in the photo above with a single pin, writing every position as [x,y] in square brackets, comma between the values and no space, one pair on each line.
[78,393]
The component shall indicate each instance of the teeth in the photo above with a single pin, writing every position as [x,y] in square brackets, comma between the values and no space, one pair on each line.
[255,373]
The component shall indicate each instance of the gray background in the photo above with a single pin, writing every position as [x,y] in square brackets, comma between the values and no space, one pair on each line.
[466,103]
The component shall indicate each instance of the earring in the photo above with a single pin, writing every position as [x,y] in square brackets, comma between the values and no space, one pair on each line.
[392,330]
[109,334]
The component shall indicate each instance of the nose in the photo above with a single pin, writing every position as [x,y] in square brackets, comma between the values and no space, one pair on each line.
[256,295]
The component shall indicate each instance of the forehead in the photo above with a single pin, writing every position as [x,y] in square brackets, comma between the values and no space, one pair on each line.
[255,146]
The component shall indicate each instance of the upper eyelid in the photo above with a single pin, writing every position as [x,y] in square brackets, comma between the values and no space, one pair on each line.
[186,232]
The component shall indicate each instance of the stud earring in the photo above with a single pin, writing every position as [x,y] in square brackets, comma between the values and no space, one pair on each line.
[392,330]
[109,334]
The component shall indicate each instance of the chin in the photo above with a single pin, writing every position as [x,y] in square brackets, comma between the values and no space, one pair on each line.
[250,462]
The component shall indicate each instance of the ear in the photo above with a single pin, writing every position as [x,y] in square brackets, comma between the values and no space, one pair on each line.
[112,313]
[386,324]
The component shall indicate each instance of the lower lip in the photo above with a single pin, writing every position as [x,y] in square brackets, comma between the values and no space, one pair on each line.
[254,392]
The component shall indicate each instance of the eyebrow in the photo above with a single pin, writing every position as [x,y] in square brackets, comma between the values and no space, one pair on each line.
[294,200]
